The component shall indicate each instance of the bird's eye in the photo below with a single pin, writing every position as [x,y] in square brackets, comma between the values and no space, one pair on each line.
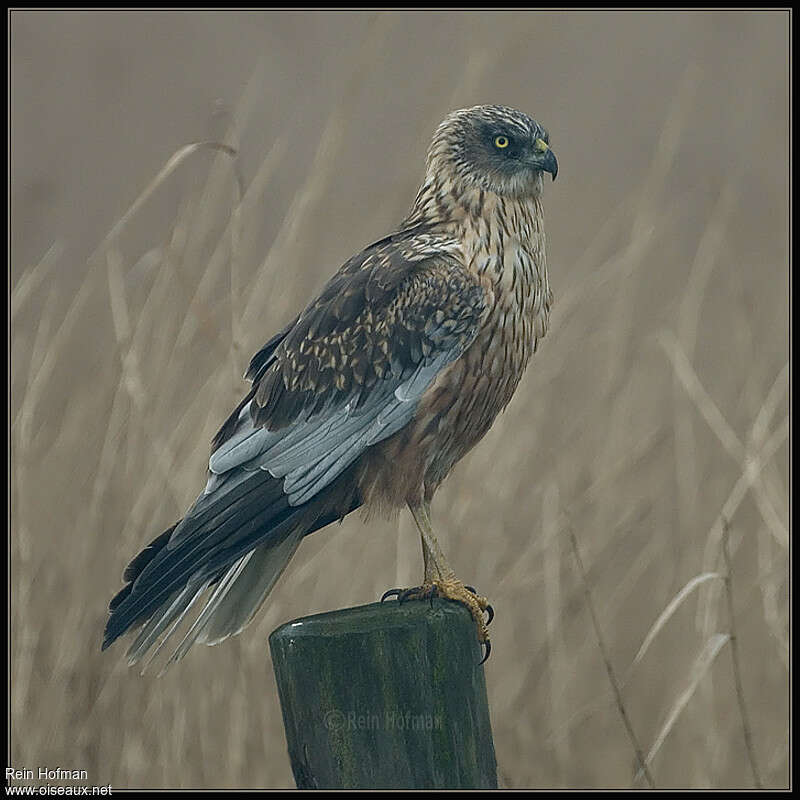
[501,142]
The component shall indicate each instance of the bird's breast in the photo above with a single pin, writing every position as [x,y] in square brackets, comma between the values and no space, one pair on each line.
[505,249]
[503,246]
[460,407]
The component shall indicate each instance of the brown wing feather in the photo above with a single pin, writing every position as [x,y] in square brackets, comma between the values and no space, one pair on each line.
[384,311]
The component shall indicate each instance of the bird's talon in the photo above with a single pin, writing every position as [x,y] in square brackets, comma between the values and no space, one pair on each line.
[489,610]
[407,594]
[452,589]
[414,593]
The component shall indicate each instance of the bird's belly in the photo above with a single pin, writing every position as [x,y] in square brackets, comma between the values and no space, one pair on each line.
[462,406]
[453,416]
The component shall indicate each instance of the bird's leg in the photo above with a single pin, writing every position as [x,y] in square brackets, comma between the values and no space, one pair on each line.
[425,591]
[427,560]
[440,579]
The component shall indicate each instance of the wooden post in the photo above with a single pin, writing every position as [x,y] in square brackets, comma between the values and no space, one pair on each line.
[385,696]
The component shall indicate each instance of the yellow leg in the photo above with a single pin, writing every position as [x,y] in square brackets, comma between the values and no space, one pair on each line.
[436,566]
[441,579]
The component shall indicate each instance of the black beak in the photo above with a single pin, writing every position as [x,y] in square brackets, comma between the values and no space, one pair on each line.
[549,163]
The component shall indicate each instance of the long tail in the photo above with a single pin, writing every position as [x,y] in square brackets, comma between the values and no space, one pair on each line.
[231,548]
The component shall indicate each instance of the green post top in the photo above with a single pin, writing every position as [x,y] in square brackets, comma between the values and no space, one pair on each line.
[385,696]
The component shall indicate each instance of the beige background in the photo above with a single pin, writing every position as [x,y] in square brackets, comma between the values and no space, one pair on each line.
[662,382]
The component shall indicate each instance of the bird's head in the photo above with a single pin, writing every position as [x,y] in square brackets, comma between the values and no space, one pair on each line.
[498,149]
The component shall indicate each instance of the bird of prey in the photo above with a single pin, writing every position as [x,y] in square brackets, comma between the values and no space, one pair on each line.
[371,394]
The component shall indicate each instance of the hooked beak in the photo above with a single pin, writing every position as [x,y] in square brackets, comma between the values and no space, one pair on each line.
[545,158]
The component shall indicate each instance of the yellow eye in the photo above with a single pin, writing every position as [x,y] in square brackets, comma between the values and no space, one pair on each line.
[501,142]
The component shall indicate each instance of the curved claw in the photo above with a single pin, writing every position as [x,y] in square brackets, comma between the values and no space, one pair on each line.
[489,609]
[429,592]
[415,592]
[418,593]
[406,593]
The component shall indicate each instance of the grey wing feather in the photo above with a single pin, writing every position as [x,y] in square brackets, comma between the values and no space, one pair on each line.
[428,320]
[312,453]
[304,429]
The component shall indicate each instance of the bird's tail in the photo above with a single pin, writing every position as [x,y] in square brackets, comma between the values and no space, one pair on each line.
[236,609]
[232,601]
[230,553]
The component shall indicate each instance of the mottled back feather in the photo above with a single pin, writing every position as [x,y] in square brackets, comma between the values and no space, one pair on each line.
[353,367]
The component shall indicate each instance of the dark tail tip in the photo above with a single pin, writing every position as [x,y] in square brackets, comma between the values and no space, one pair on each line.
[114,626]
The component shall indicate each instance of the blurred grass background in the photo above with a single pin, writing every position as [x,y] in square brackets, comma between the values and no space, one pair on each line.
[656,408]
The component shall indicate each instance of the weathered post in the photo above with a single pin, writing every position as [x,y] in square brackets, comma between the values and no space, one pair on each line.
[385,696]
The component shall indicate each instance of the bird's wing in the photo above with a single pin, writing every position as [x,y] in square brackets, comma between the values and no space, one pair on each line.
[346,374]
[350,371]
